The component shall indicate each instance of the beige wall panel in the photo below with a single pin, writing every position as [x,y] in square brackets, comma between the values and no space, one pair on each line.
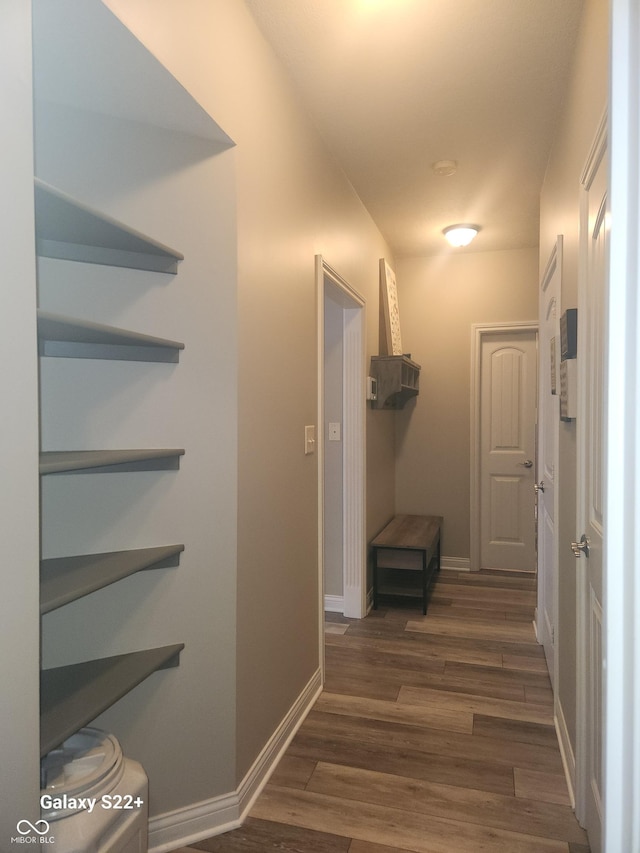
[440,298]
[292,204]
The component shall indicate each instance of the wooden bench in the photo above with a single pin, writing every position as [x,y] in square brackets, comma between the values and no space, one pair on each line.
[407,547]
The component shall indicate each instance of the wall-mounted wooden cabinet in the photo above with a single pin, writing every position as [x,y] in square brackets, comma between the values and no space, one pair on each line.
[398,379]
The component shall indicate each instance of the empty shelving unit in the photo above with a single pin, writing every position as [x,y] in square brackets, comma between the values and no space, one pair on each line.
[137,346]
[75,694]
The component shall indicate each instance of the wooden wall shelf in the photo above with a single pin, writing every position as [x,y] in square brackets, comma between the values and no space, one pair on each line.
[398,379]
[65,579]
[99,461]
[68,337]
[72,231]
[72,696]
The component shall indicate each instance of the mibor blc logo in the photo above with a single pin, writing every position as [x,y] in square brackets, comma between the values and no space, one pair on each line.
[32,833]
[24,827]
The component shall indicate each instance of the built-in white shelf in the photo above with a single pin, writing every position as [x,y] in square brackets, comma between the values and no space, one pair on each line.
[74,70]
[72,696]
[68,337]
[70,230]
[68,461]
[65,579]
[99,66]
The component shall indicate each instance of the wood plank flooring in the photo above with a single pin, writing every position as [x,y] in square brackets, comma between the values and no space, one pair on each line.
[433,734]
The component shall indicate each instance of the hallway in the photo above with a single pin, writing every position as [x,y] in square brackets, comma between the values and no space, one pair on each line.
[433,734]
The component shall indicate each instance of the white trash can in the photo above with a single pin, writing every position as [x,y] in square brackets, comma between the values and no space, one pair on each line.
[93,798]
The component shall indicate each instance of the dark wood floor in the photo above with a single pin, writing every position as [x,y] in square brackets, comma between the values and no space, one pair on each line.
[433,734]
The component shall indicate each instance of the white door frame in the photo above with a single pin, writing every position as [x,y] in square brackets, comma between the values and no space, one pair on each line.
[551,277]
[622,423]
[478,333]
[354,446]
[585,642]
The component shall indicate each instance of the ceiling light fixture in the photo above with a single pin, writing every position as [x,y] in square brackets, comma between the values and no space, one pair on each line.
[445,168]
[460,235]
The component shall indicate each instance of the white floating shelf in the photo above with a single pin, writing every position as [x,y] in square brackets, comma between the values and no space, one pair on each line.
[79,461]
[68,337]
[70,230]
[72,696]
[65,579]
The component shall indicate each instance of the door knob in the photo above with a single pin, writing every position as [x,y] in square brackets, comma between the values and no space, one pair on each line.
[538,487]
[527,463]
[581,547]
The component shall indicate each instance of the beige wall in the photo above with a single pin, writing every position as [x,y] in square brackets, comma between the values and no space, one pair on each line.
[292,203]
[440,298]
[560,214]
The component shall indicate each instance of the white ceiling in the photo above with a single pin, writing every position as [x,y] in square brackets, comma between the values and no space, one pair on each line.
[395,85]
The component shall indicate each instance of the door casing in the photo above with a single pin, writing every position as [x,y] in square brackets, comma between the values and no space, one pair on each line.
[548,458]
[353,438]
[591,473]
[478,333]
[622,502]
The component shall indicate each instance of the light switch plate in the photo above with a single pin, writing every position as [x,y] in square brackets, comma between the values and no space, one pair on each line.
[372,388]
[309,440]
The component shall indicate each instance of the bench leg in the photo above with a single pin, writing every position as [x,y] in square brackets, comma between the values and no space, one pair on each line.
[428,572]
[375,580]
[425,581]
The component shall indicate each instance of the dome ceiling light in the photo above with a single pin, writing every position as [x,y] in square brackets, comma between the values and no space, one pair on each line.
[445,168]
[460,235]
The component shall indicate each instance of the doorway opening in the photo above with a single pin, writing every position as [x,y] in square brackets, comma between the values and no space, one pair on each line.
[341,445]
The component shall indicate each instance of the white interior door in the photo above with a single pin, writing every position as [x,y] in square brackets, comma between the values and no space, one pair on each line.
[590,529]
[508,389]
[547,468]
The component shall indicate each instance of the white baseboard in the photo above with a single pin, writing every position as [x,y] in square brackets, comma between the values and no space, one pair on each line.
[193,823]
[334,603]
[460,564]
[566,751]
[274,749]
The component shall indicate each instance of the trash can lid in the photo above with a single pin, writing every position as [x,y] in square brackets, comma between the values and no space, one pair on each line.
[88,764]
